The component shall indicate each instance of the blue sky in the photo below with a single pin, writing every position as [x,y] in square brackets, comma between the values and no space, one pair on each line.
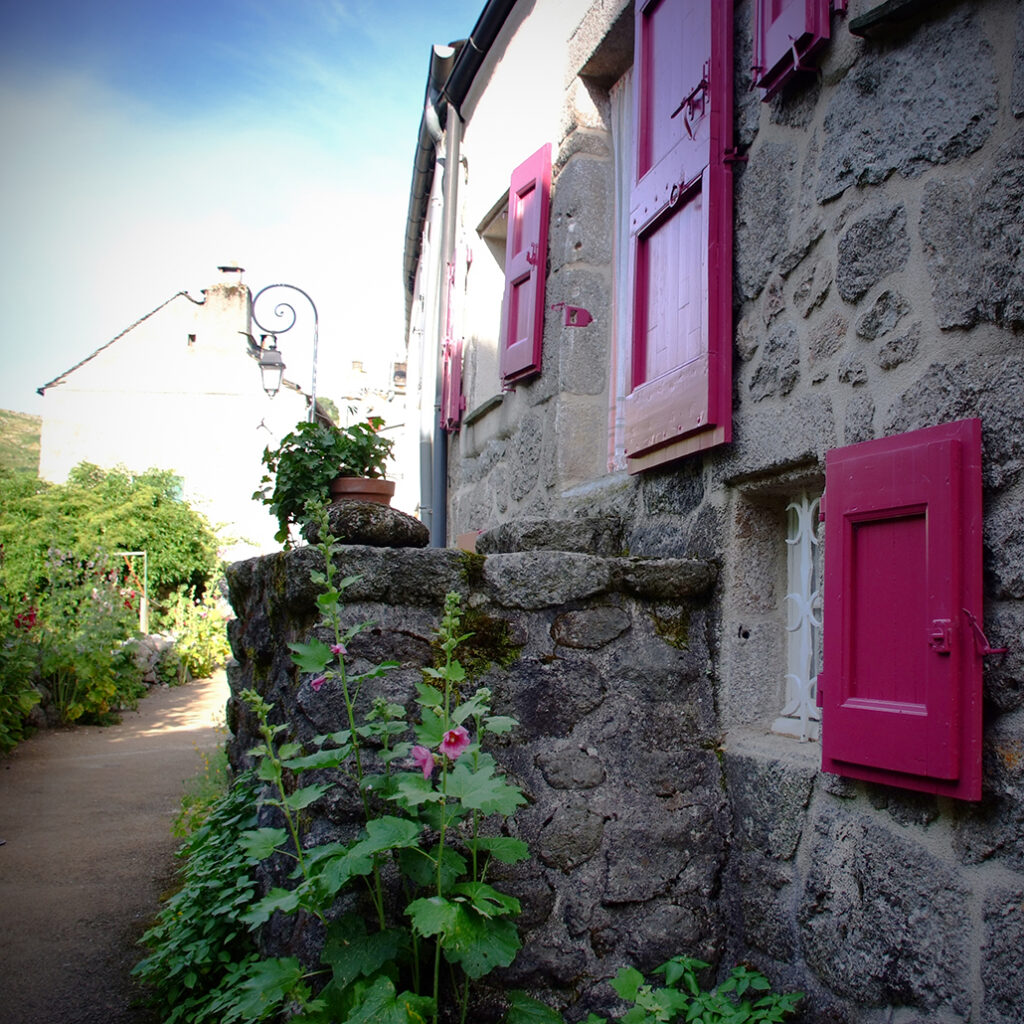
[144,143]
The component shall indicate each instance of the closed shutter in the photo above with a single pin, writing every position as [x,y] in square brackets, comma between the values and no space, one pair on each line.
[526,255]
[786,34]
[901,682]
[681,232]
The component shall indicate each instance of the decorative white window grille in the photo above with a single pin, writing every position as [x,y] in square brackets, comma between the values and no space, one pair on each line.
[800,715]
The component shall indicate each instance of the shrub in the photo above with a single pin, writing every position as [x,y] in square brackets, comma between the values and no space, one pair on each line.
[199,629]
[198,944]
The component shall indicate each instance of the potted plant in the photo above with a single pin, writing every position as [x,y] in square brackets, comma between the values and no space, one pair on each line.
[320,462]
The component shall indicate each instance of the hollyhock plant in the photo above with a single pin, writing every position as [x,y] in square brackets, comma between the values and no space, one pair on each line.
[338,649]
[318,682]
[454,742]
[424,760]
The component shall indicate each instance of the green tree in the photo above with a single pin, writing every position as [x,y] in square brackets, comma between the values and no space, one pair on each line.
[100,512]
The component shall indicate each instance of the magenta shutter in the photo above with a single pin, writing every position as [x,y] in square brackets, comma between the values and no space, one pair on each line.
[453,402]
[786,34]
[901,684]
[526,256]
[681,230]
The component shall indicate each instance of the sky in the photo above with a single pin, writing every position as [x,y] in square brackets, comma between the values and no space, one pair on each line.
[144,143]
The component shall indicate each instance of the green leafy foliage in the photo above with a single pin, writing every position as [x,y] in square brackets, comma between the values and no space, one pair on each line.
[200,951]
[68,605]
[301,468]
[200,636]
[105,511]
[435,828]
[745,997]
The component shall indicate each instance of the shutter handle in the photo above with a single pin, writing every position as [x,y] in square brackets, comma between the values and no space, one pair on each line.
[981,644]
[532,256]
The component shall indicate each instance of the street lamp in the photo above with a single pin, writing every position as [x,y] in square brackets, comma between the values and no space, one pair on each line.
[271,363]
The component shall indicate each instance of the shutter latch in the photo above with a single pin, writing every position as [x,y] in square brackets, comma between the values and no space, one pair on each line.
[689,102]
[981,644]
[941,636]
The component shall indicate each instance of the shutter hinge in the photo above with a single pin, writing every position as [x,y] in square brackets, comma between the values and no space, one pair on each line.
[734,156]
[981,644]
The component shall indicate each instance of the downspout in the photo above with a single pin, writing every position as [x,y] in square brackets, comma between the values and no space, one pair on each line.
[452,144]
[452,72]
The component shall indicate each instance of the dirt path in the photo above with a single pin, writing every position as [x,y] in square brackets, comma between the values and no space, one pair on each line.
[85,815]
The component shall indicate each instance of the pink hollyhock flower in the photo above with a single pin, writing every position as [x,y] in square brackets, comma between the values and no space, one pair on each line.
[454,742]
[424,760]
[338,649]
[318,682]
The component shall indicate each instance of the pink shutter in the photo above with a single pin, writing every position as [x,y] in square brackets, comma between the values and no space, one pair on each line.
[526,256]
[681,229]
[453,402]
[901,684]
[786,34]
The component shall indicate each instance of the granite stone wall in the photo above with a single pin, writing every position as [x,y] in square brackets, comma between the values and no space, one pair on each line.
[604,661]
[878,269]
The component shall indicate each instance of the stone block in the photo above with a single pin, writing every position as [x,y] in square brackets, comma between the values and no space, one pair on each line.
[901,349]
[589,629]
[1002,969]
[571,836]
[981,387]
[864,143]
[539,579]
[859,424]
[764,207]
[872,248]
[826,337]
[592,535]
[883,921]
[581,213]
[549,698]
[568,767]
[885,313]
[769,797]
[778,370]
[973,239]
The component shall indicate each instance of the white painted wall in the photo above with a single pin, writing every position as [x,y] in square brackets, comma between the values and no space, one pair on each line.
[177,391]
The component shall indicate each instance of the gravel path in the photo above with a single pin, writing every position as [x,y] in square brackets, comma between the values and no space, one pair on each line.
[85,817]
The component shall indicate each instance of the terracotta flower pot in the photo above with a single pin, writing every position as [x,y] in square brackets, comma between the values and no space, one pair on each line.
[358,488]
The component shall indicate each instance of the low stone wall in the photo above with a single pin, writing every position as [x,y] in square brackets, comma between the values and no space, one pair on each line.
[604,661]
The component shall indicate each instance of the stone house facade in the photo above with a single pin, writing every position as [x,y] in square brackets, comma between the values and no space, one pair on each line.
[176,390]
[651,288]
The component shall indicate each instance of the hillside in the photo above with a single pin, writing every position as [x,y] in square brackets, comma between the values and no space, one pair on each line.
[19,441]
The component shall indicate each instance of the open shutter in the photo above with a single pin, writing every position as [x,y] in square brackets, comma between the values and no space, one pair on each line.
[901,682]
[681,232]
[453,402]
[786,34]
[526,256]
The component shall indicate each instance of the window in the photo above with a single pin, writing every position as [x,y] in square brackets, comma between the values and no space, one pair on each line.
[786,34]
[800,715]
[526,255]
[681,232]
[901,684]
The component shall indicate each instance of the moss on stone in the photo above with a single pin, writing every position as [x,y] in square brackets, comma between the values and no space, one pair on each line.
[674,628]
[473,568]
[489,643]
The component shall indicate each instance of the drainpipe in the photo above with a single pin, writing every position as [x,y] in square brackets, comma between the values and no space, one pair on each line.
[452,145]
[452,72]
